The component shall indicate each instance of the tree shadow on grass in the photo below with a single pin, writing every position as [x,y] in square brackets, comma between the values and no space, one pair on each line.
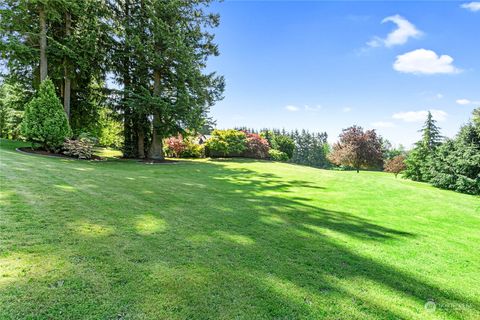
[239,244]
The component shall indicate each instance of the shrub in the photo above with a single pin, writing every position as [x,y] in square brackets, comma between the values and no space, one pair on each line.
[256,146]
[174,146]
[81,148]
[179,147]
[395,165]
[226,143]
[45,122]
[277,155]
[285,144]
[192,150]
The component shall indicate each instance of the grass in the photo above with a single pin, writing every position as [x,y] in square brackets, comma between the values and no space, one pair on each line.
[230,240]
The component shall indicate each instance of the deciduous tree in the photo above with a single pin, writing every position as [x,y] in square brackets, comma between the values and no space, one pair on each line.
[358,149]
[395,165]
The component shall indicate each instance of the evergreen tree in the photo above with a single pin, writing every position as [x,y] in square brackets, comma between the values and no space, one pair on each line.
[431,137]
[419,160]
[45,123]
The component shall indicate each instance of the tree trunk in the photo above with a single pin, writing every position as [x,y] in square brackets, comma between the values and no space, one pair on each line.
[141,143]
[43,44]
[358,170]
[156,148]
[67,87]
[129,145]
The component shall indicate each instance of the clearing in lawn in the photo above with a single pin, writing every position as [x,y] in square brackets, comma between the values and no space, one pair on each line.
[237,239]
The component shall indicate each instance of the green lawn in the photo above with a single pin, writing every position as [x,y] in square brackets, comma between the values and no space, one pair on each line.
[230,240]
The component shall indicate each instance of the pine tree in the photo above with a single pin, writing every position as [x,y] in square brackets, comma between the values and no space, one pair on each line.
[431,137]
[419,160]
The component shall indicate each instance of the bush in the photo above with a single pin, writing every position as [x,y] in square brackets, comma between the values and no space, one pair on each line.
[285,144]
[256,146]
[226,143]
[81,148]
[179,147]
[45,122]
[174,146]
[192,150]
[277,155]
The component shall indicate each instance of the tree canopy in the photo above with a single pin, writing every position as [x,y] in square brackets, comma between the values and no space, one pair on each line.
[358,149]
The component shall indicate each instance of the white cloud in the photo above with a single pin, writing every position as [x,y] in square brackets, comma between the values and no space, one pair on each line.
[439,96]
[316,108]
[472,6]
[404,31]
[417,116]
[463,101]
[383,124]
[291,108]
[422,61]
[346,109]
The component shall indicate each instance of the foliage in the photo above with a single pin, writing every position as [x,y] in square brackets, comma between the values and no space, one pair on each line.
[180,147]
[277,155]
[395,165]
[174,146]
[358,149]
[285,144]
[12,101]
[45,122]
[456,163]
[418,163]
[167,44]
[256,146]
[109,130]
[79,54]
[419,160]
[231,143]
[268,135]
[390,152]
[81,148]
[193,150]
[309,148]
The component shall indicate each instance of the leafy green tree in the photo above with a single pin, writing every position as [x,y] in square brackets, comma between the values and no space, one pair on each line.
[45,122]
[285,144]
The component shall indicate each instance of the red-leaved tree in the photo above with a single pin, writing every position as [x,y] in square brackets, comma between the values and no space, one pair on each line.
[357,149]
[395,165]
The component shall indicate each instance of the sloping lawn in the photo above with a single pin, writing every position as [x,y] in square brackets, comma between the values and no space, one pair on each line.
[230,240]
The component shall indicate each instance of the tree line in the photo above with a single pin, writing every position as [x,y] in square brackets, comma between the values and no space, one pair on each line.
[154,51]
[447,163]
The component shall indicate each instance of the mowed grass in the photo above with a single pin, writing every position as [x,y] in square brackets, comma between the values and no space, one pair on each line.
[231,239]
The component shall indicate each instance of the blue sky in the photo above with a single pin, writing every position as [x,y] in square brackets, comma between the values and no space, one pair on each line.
[325,65]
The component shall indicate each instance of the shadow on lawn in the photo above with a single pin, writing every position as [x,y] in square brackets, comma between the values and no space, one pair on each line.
[237,245]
